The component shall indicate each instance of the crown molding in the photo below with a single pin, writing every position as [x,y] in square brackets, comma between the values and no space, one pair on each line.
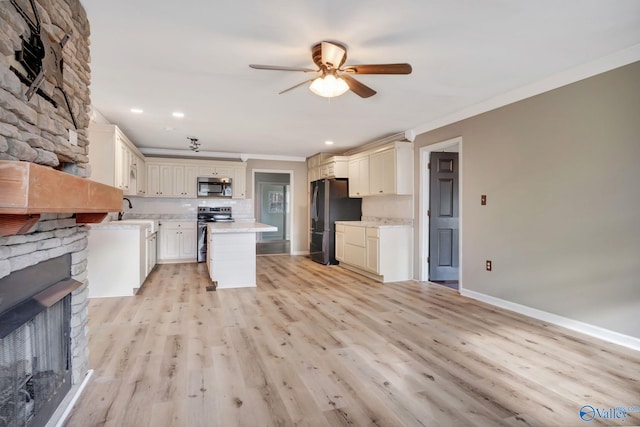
[599,66]
[169,152]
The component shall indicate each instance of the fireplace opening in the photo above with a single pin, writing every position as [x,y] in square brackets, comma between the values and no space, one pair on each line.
[35,359]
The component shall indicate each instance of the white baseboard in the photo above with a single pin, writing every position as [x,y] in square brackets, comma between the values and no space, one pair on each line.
[300,253]
[565,322]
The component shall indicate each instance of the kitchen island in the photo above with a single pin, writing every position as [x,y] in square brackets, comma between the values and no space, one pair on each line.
[231,252]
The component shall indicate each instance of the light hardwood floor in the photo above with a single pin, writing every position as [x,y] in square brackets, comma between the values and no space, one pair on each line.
[321,346]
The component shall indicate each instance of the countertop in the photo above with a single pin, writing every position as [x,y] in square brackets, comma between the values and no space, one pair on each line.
[239,227]
[373,224]
[117,225]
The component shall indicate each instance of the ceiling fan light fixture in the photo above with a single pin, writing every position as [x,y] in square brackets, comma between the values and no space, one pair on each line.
[329,86]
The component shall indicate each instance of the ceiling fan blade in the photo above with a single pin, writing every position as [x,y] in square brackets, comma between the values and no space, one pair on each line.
[378,69]
[358,88]
[299,84]
[333,55]
[281,68]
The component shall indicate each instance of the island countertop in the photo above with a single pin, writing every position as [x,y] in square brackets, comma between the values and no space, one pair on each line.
[239,227]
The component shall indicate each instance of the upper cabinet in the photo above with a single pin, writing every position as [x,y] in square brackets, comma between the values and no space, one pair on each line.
[185,181]
[359,176]
[239,183]
[115,160]
[216,171]
[388,170]
[177,178]
[325,165]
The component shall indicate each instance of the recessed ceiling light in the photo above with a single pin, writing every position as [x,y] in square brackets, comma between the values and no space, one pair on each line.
[136,110]
[178,114]
[328,142]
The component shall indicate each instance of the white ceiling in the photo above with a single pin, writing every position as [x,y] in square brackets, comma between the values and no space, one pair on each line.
[192,56]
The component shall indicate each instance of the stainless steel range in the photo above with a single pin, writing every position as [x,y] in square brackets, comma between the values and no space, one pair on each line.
[208,214]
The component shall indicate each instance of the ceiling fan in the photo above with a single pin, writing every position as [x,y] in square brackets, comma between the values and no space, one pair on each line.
[334,78]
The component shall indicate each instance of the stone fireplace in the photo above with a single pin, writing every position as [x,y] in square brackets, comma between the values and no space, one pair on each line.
[35,341]
[46,129]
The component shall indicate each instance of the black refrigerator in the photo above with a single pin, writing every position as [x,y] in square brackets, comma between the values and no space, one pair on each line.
[330,202]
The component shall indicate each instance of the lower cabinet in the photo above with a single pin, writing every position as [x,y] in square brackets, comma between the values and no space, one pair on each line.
[383,252]
[152,252]
[178,241]
[117,260]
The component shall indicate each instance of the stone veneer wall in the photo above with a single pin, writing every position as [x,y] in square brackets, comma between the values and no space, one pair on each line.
[53,236]
[35,131]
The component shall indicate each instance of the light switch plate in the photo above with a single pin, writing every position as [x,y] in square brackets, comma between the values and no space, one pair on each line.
[73,137]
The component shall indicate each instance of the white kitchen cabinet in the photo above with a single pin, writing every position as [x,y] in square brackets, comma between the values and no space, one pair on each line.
[382,252]
[355,246]
[178,241]
[185,181]
[387,170]
[372,262]
[391,171]
[339,242]
[382,173]
[326,165]
[117,263]
[165,183]
[239,183]
[153,179]
[152,252]
[159,180]
[216,171]
[170,180]
[359,176]
[113,158]
[141,174]
[178,178]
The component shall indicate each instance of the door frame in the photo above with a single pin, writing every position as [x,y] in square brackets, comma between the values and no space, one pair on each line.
[254,190]
[423,224]
[287,191]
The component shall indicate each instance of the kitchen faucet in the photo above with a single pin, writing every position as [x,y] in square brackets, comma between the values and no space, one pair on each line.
[121,214]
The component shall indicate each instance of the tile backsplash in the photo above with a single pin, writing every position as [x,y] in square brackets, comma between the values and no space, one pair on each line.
[184,208]
[388,209]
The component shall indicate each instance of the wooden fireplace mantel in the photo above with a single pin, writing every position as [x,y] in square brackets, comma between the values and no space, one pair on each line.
[28,190]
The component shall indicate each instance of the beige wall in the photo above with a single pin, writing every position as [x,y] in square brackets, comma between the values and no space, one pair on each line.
[561,172]
[300,236]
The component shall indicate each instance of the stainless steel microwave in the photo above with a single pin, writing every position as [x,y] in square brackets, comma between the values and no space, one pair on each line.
[214,187]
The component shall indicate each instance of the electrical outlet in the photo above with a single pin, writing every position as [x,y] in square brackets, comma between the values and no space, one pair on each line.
[483,199]
[488,265]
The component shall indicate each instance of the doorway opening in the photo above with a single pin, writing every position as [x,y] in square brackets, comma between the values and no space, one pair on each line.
[440,248]
[273,194]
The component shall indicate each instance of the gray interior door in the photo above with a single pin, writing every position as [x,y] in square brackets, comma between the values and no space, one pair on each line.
[444,222]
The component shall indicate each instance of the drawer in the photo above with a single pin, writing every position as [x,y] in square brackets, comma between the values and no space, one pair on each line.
[373,232]
[339,228]
[355,235]
[355,255]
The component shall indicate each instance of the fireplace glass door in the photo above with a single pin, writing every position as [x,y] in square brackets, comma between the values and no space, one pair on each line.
[34,367]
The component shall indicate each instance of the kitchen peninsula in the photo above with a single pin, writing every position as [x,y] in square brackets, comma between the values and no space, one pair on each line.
[231,252]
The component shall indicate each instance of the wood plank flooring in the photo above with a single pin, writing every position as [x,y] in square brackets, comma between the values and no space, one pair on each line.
[321,346]
[274,247]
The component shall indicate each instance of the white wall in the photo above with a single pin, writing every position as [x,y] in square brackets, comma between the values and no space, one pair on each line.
[561,172]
